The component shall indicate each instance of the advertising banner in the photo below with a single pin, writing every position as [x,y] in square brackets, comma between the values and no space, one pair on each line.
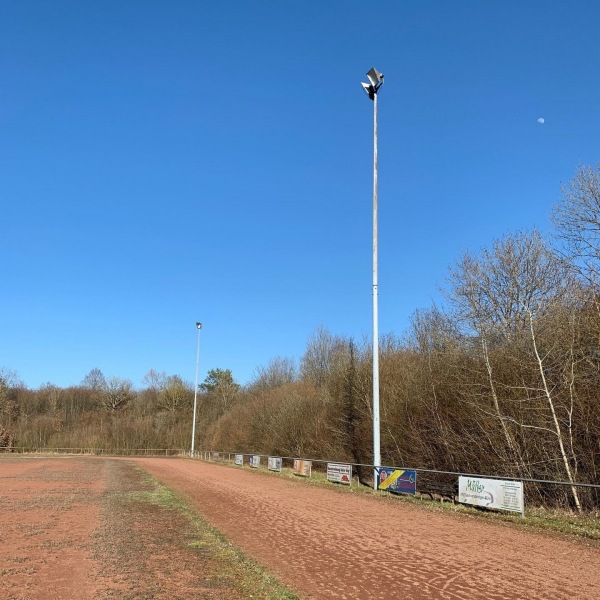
[339,473]
[492,493]
[274,463]
[397,480]
[239,459]
[302,467]
[255,461]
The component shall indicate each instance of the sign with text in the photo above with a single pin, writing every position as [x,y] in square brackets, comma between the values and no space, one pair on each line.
[492,493]
[397,481]
[302,467]
[239,459]
[255,461]
[339,473]
[274,463]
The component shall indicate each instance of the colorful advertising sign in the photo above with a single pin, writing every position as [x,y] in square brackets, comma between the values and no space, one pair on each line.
[239,459]
[397,480]
[492,493]
[302,467]
[339,473]
[255,461]
[274,463]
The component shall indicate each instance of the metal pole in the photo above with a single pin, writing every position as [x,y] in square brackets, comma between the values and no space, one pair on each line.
[199,326]
[376,440]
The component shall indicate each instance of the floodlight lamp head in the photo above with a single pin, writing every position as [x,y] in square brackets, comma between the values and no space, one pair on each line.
[369,90]
[376,79]
[198,325]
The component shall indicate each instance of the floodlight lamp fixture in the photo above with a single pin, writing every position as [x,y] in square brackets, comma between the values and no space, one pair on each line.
[375,77]
[375,82]
[199,325]
[368,90]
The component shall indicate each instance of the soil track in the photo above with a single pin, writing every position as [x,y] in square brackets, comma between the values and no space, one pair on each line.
[329,544]
[70,530]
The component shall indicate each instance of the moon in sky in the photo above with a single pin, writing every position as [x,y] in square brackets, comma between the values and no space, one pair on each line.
[541,120]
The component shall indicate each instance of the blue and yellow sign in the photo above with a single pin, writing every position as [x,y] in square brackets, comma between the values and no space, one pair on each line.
[397,480]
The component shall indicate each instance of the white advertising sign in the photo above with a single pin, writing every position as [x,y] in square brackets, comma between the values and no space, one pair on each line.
[239,459]
[255,461]
[274,463]
[339,473]
[492,493]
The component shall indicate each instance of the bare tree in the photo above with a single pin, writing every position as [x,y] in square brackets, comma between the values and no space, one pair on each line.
[9,378]
[116,394]
[174,393]
[279,371]
[577,222]
[155,383]
[324,354]
[9,382]
[505,295]
[437,342]
[494,292]
[51,394]
[94,380]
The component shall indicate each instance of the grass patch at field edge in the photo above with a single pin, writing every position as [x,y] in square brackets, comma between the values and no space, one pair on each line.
[227,563]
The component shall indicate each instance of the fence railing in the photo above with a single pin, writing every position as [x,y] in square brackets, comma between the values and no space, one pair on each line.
[433,482]
[208,454]
[362,472]
[96,451]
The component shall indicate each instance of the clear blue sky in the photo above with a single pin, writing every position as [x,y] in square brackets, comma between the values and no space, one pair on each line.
[167,162]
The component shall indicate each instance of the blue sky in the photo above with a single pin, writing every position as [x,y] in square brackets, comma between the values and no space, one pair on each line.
[168,162]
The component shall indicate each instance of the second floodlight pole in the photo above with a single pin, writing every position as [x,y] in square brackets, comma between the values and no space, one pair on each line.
[198,327]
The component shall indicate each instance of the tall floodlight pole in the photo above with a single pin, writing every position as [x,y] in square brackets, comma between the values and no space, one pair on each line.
[198,327]
[372,89]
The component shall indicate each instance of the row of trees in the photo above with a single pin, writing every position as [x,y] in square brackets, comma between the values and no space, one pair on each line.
[107,412]
[502,379]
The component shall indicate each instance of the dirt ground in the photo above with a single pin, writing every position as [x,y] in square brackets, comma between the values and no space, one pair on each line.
[329,544]
[84,528]
[49,510]
[65,534]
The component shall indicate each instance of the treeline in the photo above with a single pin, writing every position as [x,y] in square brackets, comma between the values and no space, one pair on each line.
[99,413]
[503,379]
